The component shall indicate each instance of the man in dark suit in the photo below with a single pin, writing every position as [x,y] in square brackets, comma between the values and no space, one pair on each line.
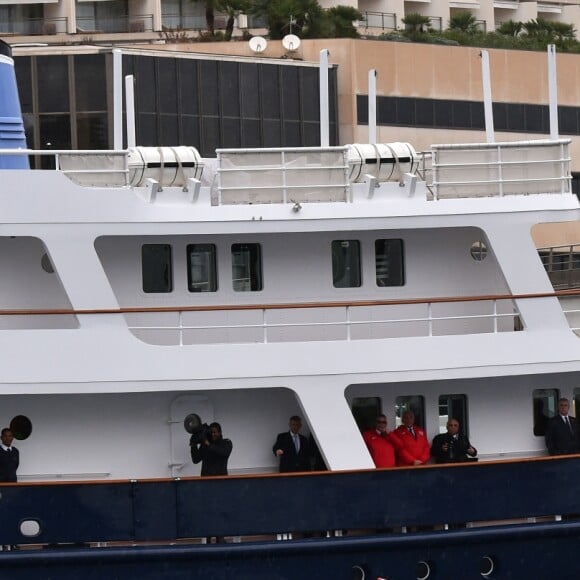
[561,433]
[452,447]
[292,448]
[9,457]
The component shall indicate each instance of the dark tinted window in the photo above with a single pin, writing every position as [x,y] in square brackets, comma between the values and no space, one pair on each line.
[156,268]
[453,407]
[90,82]
[389,263]
[346,268]
[53,89]
[365,411]
[246,267]
[229,89]
[414,403]
[545,407]
[167,85]
[201,268]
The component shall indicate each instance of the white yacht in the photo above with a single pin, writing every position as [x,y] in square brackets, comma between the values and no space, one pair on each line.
[145,286]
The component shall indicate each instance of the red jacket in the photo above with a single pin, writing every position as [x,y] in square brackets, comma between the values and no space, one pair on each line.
[410,448]
[381,448]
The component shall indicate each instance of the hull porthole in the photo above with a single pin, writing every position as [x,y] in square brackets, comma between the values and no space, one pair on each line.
[358,573]
[486,566]
[423,570]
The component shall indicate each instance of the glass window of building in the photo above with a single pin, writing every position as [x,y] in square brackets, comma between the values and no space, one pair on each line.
[156,266]
[389,263]
[414,403]
[201,268]
[247,267]
[346,268]
[545,407]
[453,407]
[365,410]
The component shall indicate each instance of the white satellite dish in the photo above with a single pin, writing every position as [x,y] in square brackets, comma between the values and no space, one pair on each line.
[291,42]
[258,44]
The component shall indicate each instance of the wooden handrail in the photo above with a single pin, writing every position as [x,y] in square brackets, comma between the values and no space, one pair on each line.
[287,305]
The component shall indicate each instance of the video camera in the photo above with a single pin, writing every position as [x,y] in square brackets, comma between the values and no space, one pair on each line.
[199,431]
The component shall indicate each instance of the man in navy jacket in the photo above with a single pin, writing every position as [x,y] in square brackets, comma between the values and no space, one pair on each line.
[292,448]
[9,457]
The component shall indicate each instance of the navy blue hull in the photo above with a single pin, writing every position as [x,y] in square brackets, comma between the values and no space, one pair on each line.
[369,504]
[520,552]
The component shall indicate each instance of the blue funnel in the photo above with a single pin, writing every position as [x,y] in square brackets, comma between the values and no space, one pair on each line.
[11,128]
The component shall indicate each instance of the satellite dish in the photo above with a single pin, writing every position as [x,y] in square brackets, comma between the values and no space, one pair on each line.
[291,42]
[258,44]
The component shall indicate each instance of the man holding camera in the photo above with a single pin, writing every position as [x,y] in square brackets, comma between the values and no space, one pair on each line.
[452,447]
[212,450]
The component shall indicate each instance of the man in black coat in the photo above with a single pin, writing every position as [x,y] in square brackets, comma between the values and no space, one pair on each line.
[9,457]
[452,447]
[213,452]
[561,432]
[292,448]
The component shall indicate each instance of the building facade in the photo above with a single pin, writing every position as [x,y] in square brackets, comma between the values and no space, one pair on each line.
[81,21]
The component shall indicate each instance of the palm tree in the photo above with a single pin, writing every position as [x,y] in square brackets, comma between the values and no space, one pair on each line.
[210,7]
[339,22]
[464,21]
[416,23]
[510,28]
[301,17]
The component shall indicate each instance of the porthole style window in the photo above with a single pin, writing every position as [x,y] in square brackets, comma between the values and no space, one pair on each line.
[21,427]
[478,251]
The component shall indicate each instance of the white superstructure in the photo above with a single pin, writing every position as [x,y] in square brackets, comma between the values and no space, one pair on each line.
[272,285]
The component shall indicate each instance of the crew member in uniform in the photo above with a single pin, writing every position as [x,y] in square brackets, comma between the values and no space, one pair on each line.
[292,448]
[9,457]
[452,447]
[380,443]
[413,446]
[561,432]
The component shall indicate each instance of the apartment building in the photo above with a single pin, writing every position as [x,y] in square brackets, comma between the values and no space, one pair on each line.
[82,21]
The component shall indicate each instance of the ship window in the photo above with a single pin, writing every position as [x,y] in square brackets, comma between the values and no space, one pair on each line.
[453,406]
[365,410]
[389,263]
[156,268]
[247,267]
[201,268]
[545,407]
[576,402]
[478,251]
[346,271]
[415,403]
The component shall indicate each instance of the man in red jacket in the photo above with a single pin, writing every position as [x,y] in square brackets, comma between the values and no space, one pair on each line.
[380,443]
[413,445]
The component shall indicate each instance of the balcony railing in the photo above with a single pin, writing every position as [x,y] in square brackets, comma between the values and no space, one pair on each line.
[379,20]
[35,26]
[133,23]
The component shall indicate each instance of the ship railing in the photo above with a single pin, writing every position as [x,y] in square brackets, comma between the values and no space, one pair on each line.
[283,175]
[98,167]
[562,263]
[501,169]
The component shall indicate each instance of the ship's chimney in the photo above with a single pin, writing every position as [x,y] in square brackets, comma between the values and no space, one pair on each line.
[11,127]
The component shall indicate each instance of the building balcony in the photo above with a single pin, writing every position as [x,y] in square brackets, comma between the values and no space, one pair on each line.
[117,24]
[34,26]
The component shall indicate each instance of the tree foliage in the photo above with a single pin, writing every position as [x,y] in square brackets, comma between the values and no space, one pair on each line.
[464,21]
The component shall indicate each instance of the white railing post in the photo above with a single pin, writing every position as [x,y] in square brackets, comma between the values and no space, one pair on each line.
[181,328]
[265,325]
[348,335]
[429,318]
[495,317]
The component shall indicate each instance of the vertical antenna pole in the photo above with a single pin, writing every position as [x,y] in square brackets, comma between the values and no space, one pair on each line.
[487,101]
[553,92]
[130,106]
[117,99]
[324,115]
[372,106]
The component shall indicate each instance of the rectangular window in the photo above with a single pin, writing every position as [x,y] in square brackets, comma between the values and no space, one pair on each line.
[545,407]
[414,403]
[389,263]
[453,407]
[346,270]
[247,267]
[365,410]
[156,268]
[201,268]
